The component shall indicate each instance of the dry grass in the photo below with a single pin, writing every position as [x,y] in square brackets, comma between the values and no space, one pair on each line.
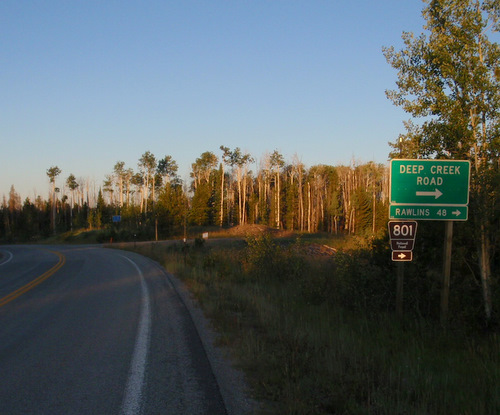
[291,322]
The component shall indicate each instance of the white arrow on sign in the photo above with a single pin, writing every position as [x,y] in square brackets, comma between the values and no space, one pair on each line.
[436,193]
[456,212]
[401,255]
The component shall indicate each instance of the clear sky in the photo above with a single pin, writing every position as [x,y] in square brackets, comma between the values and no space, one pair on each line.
[84,84]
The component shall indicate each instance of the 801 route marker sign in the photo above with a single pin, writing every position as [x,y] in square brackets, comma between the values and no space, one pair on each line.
[400,230]
[402,235]
[429,189]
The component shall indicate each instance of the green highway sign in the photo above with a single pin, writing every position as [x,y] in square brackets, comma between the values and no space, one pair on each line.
[419,212]
[430,182]
[429,189]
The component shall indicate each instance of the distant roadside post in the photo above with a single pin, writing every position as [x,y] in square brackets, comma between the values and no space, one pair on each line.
[429,190]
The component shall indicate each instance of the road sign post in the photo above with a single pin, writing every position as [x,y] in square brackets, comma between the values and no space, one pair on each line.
[399,289]
[445,289]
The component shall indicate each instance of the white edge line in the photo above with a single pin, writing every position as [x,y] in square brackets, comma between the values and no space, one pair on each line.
[8,259]
[132,400]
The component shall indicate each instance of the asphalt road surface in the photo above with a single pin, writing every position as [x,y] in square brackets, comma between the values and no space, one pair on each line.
[88,330]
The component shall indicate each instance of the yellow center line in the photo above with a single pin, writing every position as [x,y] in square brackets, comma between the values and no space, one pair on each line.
[32,284]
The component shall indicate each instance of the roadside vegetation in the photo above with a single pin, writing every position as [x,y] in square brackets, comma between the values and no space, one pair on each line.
[314,327]
[310,319]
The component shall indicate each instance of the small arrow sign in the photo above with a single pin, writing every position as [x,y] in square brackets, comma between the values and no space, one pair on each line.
[456,212]
[436,193]
[402,255]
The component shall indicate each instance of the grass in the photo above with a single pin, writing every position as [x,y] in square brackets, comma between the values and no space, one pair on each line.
[299,331]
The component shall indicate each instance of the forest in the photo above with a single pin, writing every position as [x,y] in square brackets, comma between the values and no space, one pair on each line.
[448,82]
[153,203]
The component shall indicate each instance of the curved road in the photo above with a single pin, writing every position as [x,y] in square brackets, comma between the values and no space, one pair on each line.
[88,330]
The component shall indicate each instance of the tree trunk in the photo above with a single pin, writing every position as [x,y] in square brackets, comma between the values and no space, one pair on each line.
[244,214]
[301,202]
[240,218]
[374,212]
[121,190]
[145,194]
[309,207]
[222,195]
[278,200]
[53,218]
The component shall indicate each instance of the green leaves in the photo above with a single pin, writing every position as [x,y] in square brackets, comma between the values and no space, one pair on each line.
[449,77]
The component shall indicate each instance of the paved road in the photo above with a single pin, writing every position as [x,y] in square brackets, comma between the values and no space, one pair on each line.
[87,330]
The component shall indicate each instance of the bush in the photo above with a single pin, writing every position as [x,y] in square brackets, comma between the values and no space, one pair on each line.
[265,258]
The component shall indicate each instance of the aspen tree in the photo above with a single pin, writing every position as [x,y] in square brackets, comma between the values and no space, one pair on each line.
[226,155]
[448,76]
[240,161]
[72,185]
[277,162]
[119,170]
[147,167]
[52,173]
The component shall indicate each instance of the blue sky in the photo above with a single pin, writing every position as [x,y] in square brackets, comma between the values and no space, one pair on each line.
[85,84]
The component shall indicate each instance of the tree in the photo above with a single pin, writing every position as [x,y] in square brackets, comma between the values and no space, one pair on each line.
[99,211]
[226,159]
[138,181]
[277,162]
[449,77]
[53,172]
[240,161]
[263,211]
[203,187]
[172,207]
[120,174]
[297,172]
[73,185]
[14,200]
[167,169]
[147,166]
[13,210]
[202,168]
[165,172]
[128,175]
[108,187]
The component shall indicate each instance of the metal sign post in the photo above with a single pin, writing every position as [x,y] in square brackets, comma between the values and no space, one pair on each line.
[445,290]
